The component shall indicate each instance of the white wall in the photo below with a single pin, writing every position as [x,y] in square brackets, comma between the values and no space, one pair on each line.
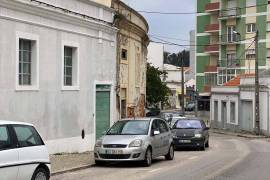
[155,54]
[225,98]
[59,115]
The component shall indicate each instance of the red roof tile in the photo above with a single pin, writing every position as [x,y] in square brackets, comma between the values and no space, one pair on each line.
[236,81]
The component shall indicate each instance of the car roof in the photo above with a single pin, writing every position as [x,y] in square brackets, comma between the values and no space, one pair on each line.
[141,118]
[6,122]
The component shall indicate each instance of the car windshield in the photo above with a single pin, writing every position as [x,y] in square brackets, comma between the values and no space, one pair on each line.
[132,127]
[187,124]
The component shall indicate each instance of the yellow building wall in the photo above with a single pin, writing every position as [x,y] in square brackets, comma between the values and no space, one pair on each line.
[104,2]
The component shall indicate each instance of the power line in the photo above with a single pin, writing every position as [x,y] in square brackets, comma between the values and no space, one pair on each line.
[166,37]
[188,13]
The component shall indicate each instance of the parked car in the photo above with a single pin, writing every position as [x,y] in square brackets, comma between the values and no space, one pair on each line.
[23,155]
[172,120]
[167,115]
[152,112]
[190,133]
[190,106]
[135,140]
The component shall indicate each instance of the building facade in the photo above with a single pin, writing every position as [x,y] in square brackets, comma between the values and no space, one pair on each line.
[132,41]
[58,69]
[225,40]
[233,105]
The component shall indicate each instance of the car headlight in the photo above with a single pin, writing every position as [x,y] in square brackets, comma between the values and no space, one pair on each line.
[198,135]
[99,143]
[136,143]
[174,135]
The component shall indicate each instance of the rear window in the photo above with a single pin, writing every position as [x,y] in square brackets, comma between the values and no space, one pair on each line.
[5,141]
[27,136]
[187,124]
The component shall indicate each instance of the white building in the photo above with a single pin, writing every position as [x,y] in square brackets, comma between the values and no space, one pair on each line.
[58,69]
[192,54]
[233,105]
[156,55]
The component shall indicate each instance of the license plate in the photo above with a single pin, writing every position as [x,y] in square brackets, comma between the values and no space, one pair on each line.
[185,141]
[110,151]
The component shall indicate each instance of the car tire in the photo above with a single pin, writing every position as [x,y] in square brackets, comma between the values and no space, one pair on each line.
[207,144]
[99,163]
[40,174]
[170,154]
[202,148]
[148,158]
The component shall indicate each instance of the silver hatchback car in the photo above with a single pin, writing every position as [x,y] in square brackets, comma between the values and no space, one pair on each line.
[135,140]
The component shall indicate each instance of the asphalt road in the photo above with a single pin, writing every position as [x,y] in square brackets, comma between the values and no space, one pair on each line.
[228,158]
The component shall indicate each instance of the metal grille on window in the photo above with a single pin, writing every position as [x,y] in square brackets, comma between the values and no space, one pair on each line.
[68,66]
[25,52]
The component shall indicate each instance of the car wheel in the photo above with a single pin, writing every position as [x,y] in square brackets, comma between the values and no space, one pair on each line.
[203,147]
[170,154]
[207,144]
[40,174]
[148,158]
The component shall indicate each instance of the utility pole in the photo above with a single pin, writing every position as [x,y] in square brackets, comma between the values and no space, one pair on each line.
[182,82]
[257,87]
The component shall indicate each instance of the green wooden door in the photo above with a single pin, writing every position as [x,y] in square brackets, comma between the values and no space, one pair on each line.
[102,112]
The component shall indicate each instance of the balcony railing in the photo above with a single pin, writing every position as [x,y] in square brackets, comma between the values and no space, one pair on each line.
[210,7]
[230,39]
[212,49]
[212,28]
[230,13]
[225,74]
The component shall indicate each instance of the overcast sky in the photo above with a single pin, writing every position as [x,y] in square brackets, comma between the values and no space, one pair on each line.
[176,26]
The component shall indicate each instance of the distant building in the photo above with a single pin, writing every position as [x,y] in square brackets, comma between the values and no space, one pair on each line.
[224,36]
[192,54]
[156,55]
[173,80]
[233,105]
[132,45]
[58,69]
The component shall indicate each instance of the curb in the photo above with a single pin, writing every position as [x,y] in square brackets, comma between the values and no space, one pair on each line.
[241,135]
[72,170]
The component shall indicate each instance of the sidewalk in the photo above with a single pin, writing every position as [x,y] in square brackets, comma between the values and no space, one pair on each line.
[244,135]
[62,163]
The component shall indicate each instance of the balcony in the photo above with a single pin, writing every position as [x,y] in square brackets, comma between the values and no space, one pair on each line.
[206,88]
[230,39]
[230,13]
[211,28]
[212,7]
[212,49]
[210,69]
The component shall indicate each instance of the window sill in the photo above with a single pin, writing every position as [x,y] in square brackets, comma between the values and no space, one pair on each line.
[70,88]
[27,88]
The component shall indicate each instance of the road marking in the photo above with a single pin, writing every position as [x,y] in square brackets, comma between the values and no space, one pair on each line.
[154,170]
[193,157]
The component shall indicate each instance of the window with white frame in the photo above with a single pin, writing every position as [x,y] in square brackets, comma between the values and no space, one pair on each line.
[251,28]
[231,35]
[25,53]
[232,113]
[251,2]
[250,54]
[27,72]
[70,68]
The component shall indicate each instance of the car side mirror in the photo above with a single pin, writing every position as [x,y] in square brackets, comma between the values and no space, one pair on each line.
[156,133]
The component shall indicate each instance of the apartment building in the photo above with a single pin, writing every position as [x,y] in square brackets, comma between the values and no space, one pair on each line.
[225,40]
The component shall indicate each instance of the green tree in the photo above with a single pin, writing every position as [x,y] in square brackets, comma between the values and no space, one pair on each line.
[156,90]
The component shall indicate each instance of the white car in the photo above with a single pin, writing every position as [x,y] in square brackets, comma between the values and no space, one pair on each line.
[23,155]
